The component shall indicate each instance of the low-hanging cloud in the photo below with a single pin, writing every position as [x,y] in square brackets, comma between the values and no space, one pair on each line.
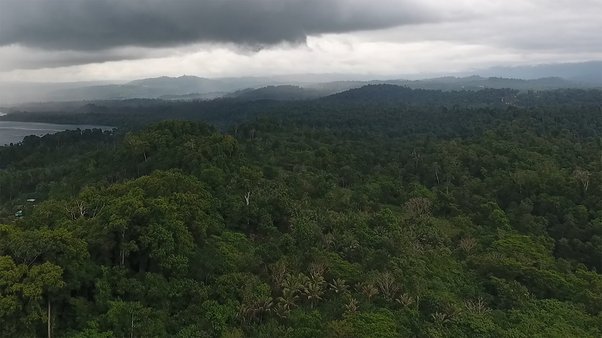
[88,25]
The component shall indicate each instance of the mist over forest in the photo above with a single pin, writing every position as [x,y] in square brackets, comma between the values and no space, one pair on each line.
[300,168]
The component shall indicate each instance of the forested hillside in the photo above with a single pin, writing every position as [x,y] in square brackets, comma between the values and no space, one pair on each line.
[380,212]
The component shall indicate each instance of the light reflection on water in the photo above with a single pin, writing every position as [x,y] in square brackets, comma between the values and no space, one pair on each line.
[14,132]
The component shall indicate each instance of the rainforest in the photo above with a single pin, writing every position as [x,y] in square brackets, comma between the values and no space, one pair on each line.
[382,211]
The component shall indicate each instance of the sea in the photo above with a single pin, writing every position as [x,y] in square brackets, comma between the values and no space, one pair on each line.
[15,132]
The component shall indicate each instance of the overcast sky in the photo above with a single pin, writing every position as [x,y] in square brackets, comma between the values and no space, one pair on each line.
[71,40]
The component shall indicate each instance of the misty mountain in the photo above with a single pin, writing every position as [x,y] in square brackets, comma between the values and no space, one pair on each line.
[163,87]
[394,94]
[280,93]
[12,93]
[473,83]
[478,82]
[189,88]
[171,88]
[198,88]
[586,73]
[192,84]
[298,87]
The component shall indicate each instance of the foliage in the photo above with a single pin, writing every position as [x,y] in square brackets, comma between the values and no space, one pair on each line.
[376,213]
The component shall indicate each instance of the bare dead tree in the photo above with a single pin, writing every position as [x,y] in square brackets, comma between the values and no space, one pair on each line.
[418,207]
[248,198]
[416,158]
[478,306]
[437,168]
[278,271]
[582,177]
[468,244]
[387,285]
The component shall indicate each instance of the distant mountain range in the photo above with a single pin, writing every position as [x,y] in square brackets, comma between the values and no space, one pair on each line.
[298,87]
[585,73]
[280,93]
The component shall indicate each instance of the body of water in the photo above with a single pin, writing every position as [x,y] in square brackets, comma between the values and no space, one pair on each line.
[14,132]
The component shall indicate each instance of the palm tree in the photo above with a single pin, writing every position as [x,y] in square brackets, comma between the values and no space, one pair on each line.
[294,283]
[281,310]
[288,299]
[317,279]
[246,313]
[369,290]
[405,299]
[255,311]
[440,318]
[263,307]
[339,286]
[352,306]
[316,270]
[313,292]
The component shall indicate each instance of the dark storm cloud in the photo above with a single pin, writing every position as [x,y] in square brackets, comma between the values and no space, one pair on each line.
[17,57]
[106,24]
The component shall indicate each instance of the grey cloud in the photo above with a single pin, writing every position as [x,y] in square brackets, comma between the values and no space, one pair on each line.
[528,26]
[89,25]
[17,57]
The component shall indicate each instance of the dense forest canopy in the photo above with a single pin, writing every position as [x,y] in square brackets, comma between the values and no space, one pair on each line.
[379,212]
[229,112]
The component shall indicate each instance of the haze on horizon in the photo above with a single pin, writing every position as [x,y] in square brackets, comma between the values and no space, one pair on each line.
[78,40]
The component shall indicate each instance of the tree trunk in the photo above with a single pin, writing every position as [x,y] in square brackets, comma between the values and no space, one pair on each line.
[49,325]
[132,326]
[122,250]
